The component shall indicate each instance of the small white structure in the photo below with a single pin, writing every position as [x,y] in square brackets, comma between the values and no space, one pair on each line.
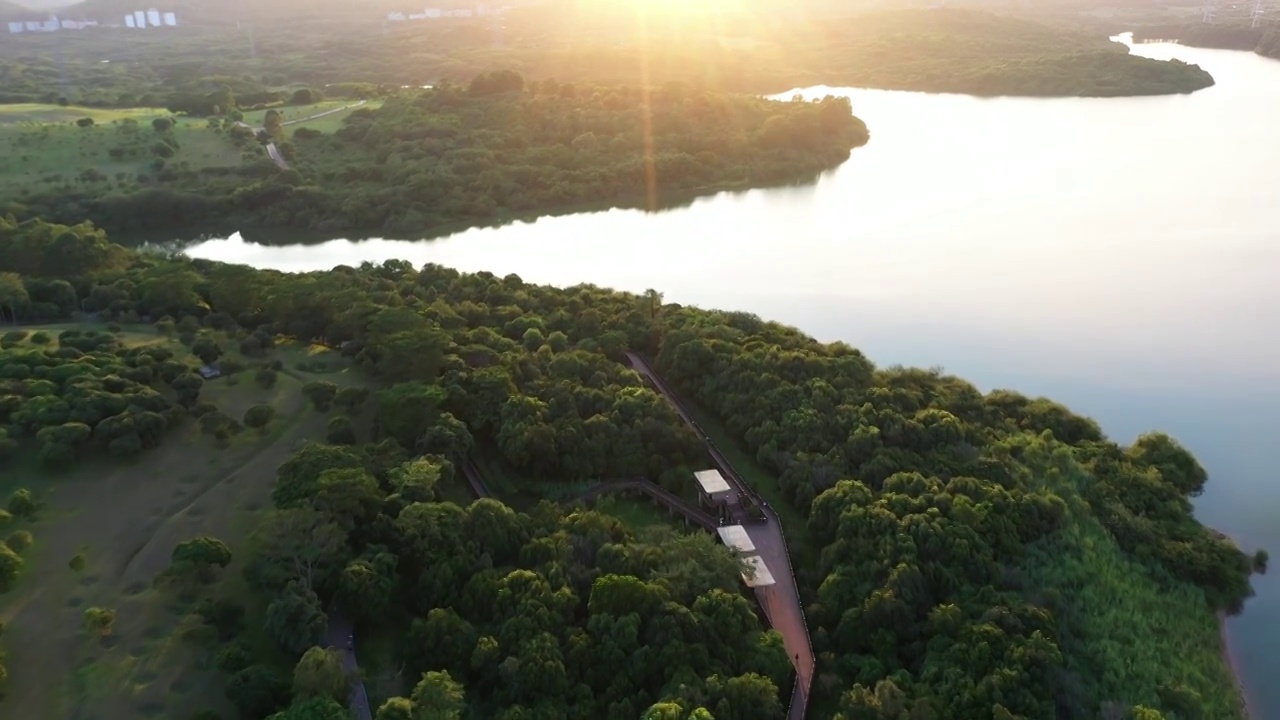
[139,19]
[171,19]
[51,25]
[712,482]
[433,12]
[16,27]
[396,17]
[33,26]
[757,573]
[153,18]
[736,537]
[129,22]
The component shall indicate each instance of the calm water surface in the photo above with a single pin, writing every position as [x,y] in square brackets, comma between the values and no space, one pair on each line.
[1119,255]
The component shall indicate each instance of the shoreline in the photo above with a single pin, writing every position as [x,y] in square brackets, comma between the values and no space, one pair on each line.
[1229,659]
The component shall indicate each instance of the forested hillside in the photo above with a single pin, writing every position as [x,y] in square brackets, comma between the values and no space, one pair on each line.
[481,153]
[981,554]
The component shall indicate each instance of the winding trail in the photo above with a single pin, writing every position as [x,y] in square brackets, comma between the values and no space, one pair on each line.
[781,601]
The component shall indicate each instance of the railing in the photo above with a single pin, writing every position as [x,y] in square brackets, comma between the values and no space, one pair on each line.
[658,493]
[727,468]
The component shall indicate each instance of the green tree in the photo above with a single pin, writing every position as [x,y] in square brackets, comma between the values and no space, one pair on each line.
[320,674]
[438,697]
[295,619]
[21,504]
[321,394]
[10,567]
[259,416]
[257,691]
[396,708]
[13,296]
[196,558]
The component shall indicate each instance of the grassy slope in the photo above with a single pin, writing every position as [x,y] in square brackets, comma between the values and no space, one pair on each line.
[42,142]
[1133,629]
[126,518]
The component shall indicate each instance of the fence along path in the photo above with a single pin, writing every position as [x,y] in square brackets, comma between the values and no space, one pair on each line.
[781,601]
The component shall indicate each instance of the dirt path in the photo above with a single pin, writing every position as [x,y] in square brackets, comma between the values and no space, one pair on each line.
[124,520]
[781,601]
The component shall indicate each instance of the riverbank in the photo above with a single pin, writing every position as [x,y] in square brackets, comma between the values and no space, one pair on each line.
[1229,658]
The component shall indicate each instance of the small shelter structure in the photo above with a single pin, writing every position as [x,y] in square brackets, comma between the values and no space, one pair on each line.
[713,489]
[757,573]
[736,537]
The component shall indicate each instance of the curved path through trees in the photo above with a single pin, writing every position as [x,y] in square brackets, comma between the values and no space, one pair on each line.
[338,637]
[781,601]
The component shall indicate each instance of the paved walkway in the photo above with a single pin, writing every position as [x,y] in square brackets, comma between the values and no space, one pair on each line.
[781,601]
[337,636]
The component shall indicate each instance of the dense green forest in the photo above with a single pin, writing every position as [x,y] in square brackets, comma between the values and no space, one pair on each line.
[474,154]
[748,47]
[980,554]
[1239,35]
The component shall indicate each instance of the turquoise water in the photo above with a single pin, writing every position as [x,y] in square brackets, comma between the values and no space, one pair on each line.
[1119,255]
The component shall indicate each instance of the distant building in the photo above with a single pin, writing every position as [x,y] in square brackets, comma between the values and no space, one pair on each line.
[153,18]
[50,25]
[16,27]
[171,19]
[139,19]
[129,22]
[433,12]
[33,26]
[396,17]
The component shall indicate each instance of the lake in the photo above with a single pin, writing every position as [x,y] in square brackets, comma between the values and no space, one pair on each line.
[1119,255]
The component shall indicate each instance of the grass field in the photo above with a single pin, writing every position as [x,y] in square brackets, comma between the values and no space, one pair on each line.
[45,150]
[124,518]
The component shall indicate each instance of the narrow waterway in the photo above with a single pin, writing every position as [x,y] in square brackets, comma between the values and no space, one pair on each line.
[1118,255]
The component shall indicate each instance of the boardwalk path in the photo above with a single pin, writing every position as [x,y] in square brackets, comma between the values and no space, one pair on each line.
[692,514]
[781,601]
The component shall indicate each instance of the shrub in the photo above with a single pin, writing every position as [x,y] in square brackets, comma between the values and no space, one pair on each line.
[19,541]
[266,377]
[77,563]
[321,394]
[41,338]
[21,504]
[114,328]
[341,432]
[12,338]
[202,409]
[259,416]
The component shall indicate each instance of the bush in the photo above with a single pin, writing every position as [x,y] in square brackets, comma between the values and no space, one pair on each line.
[266,378]
[321,394]
[165,326]
[202,409]
[41,338]
[351,399]
[114,328]
[125,446]
[21,504]
[341,432]
[19,541]
[259,416]
[77,563]
[12,338]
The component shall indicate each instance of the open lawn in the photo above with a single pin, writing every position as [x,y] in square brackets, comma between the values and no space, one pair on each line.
[44,148]
[124,519]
